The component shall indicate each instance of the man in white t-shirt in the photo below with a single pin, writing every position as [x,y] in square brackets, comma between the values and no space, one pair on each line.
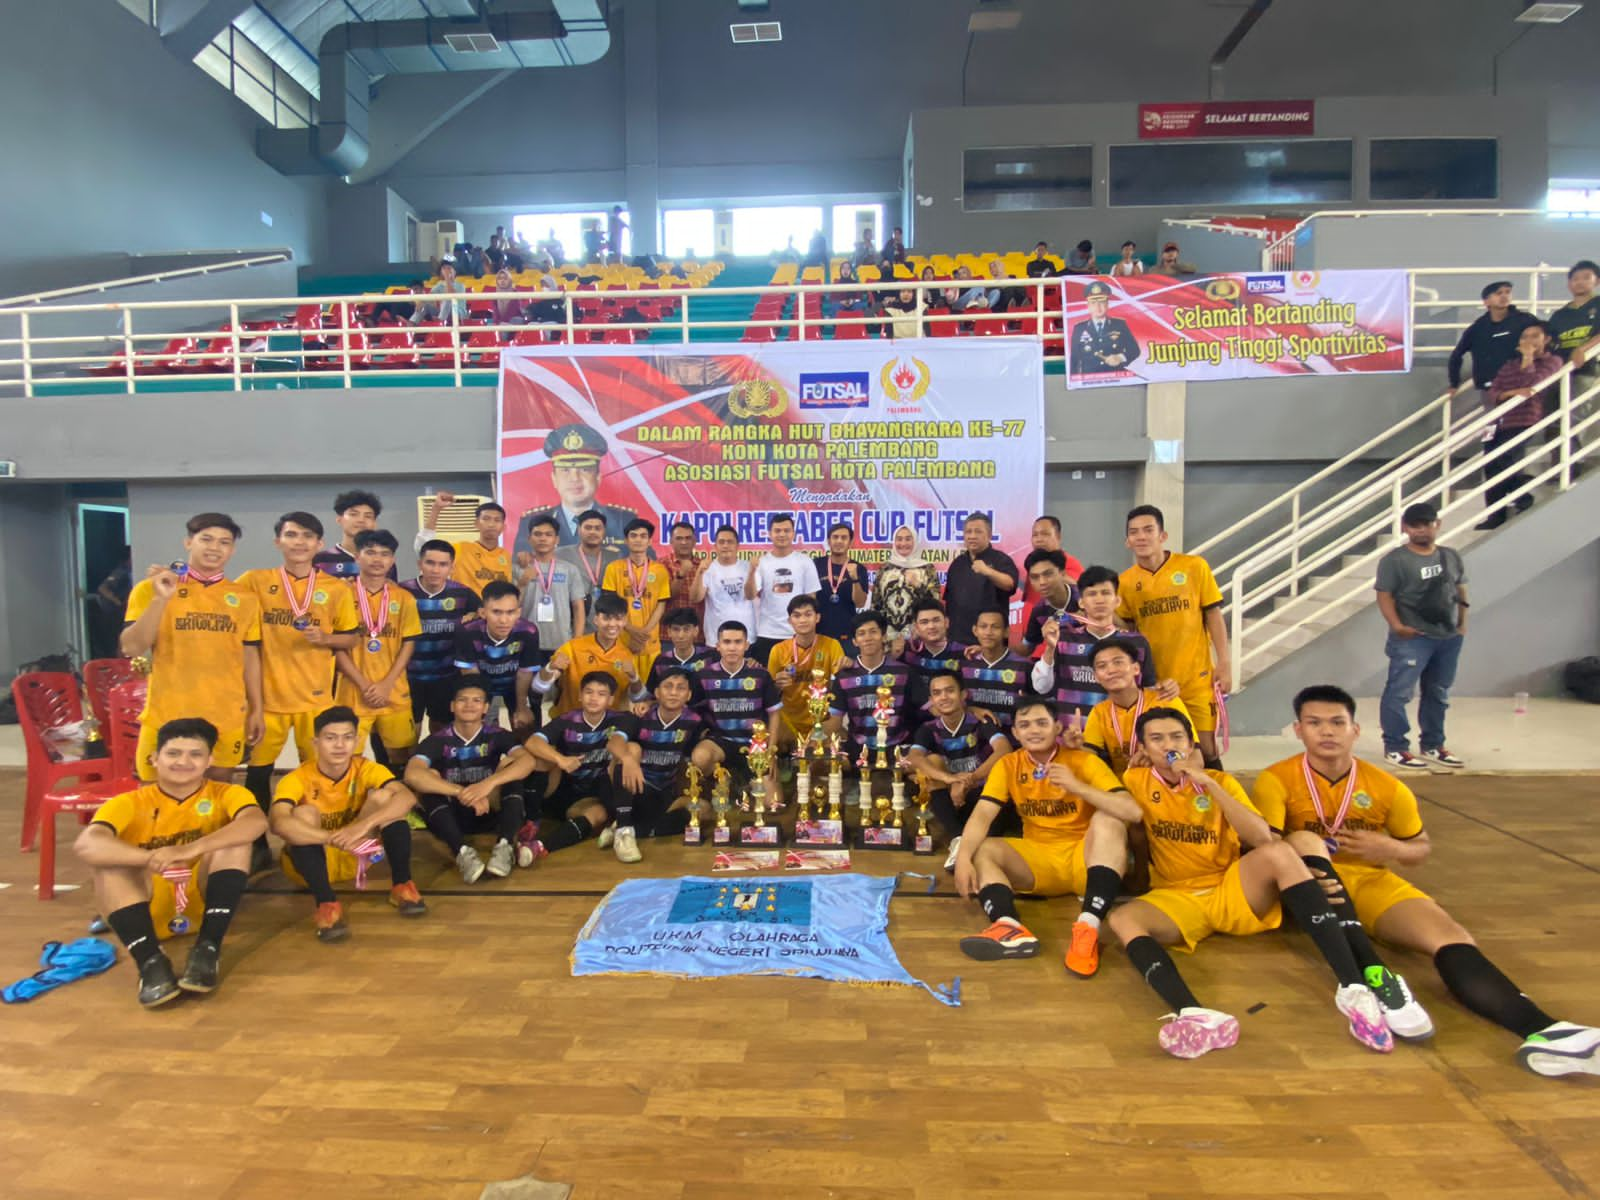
[719,582]
[779,576]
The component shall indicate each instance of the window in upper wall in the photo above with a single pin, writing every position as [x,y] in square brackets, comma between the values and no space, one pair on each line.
[1567,198]
[1020,178]
[1449,168]
[689,232]
[566,227]
[241,66]
[847,219]
[762,230]
[1310,171]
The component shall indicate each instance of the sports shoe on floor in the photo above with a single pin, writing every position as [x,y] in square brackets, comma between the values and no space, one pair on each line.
[529,848]
[331,925]
[626,845]
[158,982]
[1443,757]
[407,899]
[1365,1014]
[1562,1049]
[1405,1017]
[1406,759]
[414,820]
[500,859]
[1191,1032]
[200,972]
[1083,953]
[1003,939]
[97,924]
[955,851]
[470,864]
[607,836]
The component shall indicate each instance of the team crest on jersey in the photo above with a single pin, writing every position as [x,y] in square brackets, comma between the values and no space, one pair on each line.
[1202,803]
[449,604]
[319,597]
[231,600]
[1362,800]
[203,806]
[1179,577]
[394,606]
[1008,676]
[748,685]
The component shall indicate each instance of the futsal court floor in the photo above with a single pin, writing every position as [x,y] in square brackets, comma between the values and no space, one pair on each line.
[433,1058]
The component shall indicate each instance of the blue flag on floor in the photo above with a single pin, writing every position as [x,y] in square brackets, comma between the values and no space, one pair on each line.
[833,927]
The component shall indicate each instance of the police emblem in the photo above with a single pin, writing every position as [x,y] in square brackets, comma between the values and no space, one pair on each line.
[757,398]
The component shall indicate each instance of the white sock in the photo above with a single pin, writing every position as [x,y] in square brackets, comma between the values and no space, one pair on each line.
[1088,918]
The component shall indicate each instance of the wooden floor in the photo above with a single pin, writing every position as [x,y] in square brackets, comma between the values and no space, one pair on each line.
[427,1058]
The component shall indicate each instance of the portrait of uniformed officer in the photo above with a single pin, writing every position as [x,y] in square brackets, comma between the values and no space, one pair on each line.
[575,452]
[1101,343]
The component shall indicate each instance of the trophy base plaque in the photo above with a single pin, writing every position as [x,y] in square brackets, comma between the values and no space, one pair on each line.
[692,835]
[922,843]
[758,835]
[882,837]
[819,832]
[721,835]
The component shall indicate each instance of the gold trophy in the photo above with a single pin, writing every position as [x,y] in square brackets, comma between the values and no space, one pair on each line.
[759,756]
[923,840]
[720,803]
[835,779]
[691,801]
[864,786]
[883,717]
[898,793]
[802,783]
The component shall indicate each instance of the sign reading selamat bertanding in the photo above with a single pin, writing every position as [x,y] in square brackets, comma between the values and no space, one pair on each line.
[874,433]
[1156,329]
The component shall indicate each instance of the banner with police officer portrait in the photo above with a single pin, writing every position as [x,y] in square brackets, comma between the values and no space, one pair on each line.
[1159,329]
[876,434]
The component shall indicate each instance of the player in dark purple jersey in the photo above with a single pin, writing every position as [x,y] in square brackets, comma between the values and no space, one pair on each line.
[1058,598]
[735,694]
[995,678]
[443,606]
[683,648]
[1064,673]
[645,799]
[955,749]
[928,649]
[504,651]
[576,751]
[855,688]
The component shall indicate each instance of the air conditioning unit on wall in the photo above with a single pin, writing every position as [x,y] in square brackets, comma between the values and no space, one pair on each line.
[447,234]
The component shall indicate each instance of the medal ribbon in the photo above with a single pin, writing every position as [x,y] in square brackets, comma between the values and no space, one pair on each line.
[298,609]
[364,600]
[1330,831]
[545,581]
[592,572]
[796,663]
[835,584]
[179,877]
[636,583]
[185,573]
[367,853]
[1040,770]
[1116,725]
[1223,738]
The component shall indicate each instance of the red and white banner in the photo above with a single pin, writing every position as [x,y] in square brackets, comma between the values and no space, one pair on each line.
[1228,118]
[1157,329]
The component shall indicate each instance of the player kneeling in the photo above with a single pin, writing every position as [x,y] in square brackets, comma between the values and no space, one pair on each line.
[1197,821]
[575,752]
[171,853]
[1066,846]
[327,812]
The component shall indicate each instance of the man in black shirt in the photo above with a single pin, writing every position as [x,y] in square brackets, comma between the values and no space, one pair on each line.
[577,750]
[1575,326]
[956,750]
[644,791]
[844,585]
[854,693]
[929,650]
[1491,339]
[978,579]
[1039,266]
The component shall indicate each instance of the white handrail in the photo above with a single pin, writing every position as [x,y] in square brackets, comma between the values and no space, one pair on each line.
[84,289]
[1275,246]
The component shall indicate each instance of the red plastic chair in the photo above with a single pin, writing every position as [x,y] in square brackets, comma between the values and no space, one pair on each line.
[992,326]
[483,348]
[848,332]
[126,701]
[939,328]
[100,675]
[46,700]
[396,350]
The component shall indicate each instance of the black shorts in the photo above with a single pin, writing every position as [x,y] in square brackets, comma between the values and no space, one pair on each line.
[431,698]
[554,806]
[468,819]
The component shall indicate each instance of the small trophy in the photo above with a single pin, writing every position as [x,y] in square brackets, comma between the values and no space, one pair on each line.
[759,757]
[691,801]
[898,803]
[922,841]
[802,783]
[864,786]
[883,717]
[721,835]
[835,779]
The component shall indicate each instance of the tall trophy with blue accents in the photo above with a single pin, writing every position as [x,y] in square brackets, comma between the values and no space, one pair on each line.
[877,832]
[819,775]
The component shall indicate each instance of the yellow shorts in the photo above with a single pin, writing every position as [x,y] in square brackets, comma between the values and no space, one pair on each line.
[1375,890]
[1201,701]
[229,750]
[164,904]
[341,866]
[1221,909]
[395,729]
[1057,867]
[279,727]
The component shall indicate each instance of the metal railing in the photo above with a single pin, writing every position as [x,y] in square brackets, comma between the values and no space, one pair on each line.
[107,285]
[1326,561]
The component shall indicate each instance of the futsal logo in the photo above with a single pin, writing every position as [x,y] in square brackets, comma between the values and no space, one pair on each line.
[835,389]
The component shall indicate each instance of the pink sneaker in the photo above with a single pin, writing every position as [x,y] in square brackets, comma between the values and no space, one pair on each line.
[1196,1031]
[1365,1014]
[529,848]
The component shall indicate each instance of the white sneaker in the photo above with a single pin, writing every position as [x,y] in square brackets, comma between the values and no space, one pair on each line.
[1192,1032]
[606,836]
[1562,1049]
[1406,1018]
[469,864]
[627,846]
[500,859]
[955,850]
[1365,1014]
[1443,757]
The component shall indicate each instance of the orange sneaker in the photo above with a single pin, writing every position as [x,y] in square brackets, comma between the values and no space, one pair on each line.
[331,926]
[1003,939]
[1083,955]
[407,899]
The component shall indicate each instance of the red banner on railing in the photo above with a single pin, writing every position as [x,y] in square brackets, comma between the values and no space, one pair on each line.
[1228,118]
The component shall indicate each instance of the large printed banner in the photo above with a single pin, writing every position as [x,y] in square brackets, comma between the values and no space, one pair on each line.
[1228,118]
[1157,329]
[877,434]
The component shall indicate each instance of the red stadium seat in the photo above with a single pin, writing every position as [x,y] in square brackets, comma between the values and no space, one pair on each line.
[483,348]
[939,328]
[437,349]
[47,701]
[395,350]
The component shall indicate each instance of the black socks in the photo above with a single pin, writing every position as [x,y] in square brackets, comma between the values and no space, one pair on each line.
[136,930]
[1479,985]
[998,901]
[1155,964]
[223,892]
[1314,915]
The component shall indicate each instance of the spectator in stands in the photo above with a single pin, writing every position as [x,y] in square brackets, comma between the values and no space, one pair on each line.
[593,241]
[509,310]
[1518,377]
[865,255]
[397,310]
[452,312]
[893,252]
[550,308]
[1575,326]
[1005,299]
[1170,264]
[1491,339]
[1040,266]
[974,298]
[849,304]
[817,254]
[1080,261]
[905,306]
[495,255]
[789,253]
[615,228]
[1128,264]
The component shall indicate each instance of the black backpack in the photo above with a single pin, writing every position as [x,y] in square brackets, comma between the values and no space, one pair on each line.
[1583,679]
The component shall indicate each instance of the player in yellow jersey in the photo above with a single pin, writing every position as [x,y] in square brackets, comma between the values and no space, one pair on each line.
[602,650]
[202,635]
[1328,802]
[1174,602]
[372,673]
[1066,846]
[1109,730]
[791,664]
[645,587]
[182,831]
[334,814]
[1197,821]
[477,563]
[305,617]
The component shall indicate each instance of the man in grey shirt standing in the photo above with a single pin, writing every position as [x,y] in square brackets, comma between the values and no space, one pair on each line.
[1422,594]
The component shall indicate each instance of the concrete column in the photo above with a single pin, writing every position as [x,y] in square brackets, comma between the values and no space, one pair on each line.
[1161,477]
[640,130]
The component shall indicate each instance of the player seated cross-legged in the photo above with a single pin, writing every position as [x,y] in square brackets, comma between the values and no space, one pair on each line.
[1066,845]
[1327,801]
[574,753]
[644,799]
[137,842]
[334,814]
[467,778]
[1198,821]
